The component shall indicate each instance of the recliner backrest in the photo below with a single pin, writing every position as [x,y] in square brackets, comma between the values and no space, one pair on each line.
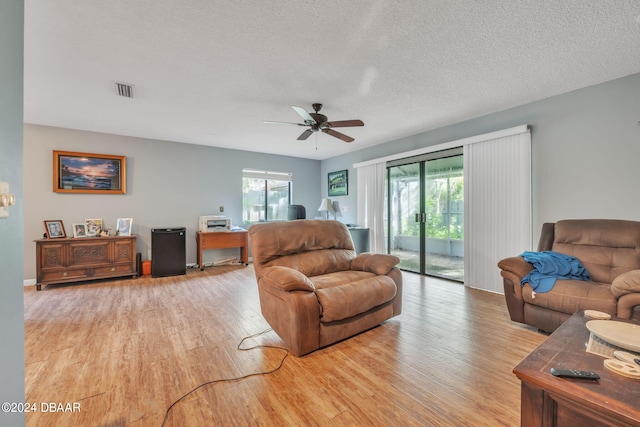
[310,246]
[606,247]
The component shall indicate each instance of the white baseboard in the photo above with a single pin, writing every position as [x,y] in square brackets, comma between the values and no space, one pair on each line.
[29,282]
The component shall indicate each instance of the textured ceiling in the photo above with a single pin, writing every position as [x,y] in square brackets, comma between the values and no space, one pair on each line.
[209,72]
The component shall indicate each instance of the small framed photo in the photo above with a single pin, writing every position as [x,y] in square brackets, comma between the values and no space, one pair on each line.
[94,226]
[338,183]
[123,226]
[54,229]
[80,230]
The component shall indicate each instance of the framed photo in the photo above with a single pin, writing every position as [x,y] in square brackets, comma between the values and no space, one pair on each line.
[54,229]
[94,225]
[338,183]
[80,230]
[123,226]
[88,173]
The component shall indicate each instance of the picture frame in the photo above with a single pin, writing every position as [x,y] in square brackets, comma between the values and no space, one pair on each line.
[80,230]
[94,225]
[75,172]
[338,183]
[54,229]
[123,226]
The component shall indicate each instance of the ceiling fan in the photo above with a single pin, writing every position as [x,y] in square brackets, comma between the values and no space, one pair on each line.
[319,123]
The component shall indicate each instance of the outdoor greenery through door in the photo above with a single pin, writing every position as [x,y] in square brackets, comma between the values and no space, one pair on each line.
[425,209]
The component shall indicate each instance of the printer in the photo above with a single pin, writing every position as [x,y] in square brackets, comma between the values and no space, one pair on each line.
[214,223]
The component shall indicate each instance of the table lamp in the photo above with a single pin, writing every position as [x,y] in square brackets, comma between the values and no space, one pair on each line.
[326,206]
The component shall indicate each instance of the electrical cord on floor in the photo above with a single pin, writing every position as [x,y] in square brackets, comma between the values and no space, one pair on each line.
[222,380]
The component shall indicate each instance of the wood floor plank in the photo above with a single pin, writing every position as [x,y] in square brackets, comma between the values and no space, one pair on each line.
[128,349]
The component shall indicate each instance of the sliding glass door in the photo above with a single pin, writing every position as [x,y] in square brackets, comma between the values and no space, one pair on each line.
[444,217]
[426,214]
[404,198]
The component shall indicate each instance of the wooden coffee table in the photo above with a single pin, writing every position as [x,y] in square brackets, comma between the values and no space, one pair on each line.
[551,401]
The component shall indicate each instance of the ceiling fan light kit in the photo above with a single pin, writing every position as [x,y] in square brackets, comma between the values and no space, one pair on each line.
[320,123]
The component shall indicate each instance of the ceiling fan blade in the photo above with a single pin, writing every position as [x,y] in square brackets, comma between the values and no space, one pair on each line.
[283,123]
[306,134]
[303,113]
[338,135]
[345,123]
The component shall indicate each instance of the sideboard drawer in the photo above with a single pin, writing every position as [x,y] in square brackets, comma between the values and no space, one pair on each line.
[124,269]
[61,276]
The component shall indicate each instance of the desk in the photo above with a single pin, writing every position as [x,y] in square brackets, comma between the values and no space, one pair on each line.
[547,400]
[221,240]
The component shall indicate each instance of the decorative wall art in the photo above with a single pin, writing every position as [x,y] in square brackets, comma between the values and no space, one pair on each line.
[338,183]
[54,229]
[88,173]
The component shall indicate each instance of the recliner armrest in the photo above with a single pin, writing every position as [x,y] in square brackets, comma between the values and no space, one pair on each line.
[285,279]
[516,265]
[380,264]
[626,283]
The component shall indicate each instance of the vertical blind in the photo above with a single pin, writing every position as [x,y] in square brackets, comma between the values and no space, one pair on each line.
[497,194]
[371,191]
[497,212]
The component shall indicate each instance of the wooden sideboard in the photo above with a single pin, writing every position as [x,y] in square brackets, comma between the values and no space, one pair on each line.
[77,259]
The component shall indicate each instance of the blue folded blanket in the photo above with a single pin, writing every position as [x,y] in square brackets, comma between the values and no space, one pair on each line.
[549,266]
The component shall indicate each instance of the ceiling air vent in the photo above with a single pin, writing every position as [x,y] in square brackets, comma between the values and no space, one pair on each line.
[123,89]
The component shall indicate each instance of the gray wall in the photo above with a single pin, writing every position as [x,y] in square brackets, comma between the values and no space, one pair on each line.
[169,184]
[585,151]
[11,290]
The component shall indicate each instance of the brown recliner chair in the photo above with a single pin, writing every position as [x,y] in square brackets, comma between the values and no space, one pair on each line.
[608,249]
[314,290]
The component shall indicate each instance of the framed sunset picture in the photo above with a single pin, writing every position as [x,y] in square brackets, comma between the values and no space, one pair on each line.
[88,173]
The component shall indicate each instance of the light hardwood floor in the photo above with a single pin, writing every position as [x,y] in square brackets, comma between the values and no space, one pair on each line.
[126,350]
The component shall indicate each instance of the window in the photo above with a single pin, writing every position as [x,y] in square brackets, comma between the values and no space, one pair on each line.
[266,196]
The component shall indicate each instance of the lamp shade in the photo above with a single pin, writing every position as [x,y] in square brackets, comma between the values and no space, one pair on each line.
[336,209]
[326,206]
